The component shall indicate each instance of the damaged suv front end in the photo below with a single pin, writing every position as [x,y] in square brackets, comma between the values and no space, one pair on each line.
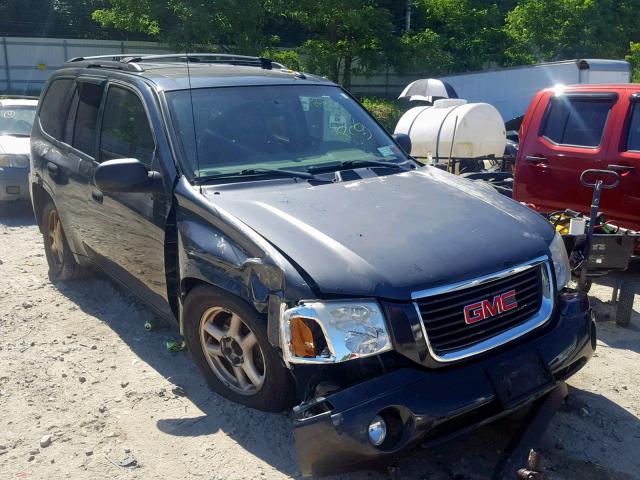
[405,404]
[407,304]
[381,376]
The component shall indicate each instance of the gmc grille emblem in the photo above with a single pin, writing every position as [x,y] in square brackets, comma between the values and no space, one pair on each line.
[478,311]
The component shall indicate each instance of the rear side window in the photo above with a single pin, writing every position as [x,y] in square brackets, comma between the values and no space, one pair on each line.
[576,121]
[53,111]
[84,128]
[125,128]
[633,138]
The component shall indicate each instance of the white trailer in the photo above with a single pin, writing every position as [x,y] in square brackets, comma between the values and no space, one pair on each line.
[510,90]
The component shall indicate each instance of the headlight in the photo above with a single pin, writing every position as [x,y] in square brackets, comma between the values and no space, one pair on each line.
[333,331]
[560,261]
[17,161]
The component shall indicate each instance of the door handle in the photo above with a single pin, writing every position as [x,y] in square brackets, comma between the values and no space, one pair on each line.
[97,196]
[52,167]
[535,159]
[621,168]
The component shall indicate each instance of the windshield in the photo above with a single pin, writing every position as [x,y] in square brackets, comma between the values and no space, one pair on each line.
[293,127]
[17,119]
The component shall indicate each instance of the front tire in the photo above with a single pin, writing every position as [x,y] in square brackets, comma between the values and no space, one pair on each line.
[62,265]
[228,341]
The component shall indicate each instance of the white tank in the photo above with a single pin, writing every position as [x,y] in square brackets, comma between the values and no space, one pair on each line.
[476,129]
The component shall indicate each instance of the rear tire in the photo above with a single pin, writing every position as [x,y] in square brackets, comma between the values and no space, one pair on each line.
[228,341]
[62,265]
[624,306]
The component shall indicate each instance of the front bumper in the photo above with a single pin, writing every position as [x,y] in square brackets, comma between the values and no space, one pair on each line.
[424,405]
[14,184]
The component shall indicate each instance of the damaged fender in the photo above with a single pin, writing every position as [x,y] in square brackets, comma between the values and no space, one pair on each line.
[216,248]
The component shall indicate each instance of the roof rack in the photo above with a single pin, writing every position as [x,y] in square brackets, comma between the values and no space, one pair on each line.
[115,62]
[131,61]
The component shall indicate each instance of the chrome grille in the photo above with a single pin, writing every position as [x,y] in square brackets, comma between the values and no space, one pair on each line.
[450,337]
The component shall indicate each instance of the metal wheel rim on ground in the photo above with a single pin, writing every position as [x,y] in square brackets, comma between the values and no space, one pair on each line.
[54,232]
[232,351]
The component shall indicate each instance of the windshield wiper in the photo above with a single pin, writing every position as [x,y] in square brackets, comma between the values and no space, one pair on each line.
[287,173]
[259,171]
[358,163]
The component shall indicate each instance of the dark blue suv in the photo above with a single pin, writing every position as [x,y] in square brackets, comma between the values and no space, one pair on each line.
[307,258]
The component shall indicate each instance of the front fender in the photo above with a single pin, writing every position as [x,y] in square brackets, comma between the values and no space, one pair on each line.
[216,248]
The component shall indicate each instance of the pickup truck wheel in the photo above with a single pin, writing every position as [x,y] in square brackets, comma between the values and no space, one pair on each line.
[228,341]
[62,265]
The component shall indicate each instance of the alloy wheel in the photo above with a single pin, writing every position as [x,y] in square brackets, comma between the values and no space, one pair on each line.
[232,351]
[56,239]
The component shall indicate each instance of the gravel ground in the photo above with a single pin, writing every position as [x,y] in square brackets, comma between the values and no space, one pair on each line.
[86,392]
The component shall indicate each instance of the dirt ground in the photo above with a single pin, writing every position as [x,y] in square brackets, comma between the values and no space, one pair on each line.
[86,392]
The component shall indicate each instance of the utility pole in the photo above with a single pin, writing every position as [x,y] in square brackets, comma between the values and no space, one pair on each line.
[407,22]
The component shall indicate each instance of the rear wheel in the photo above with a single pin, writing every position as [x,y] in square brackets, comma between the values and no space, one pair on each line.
[227,339]
[62,265]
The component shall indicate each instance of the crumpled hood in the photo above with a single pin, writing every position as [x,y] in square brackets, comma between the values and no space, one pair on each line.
[14,145]
[389,236]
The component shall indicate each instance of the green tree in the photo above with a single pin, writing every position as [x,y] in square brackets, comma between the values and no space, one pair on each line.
[470,31]
[422,51]
[193,24]
[634,59]
[346,37]
[54,18]
[287,57]
[544,30]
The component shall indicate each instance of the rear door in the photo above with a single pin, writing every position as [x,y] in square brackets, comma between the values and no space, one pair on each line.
[566,136]
[57,161]
[81,136]
[623,203]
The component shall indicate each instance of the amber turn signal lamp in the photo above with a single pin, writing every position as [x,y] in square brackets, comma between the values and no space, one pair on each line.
[302,344]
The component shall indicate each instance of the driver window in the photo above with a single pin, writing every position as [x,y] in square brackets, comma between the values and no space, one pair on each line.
[125,128]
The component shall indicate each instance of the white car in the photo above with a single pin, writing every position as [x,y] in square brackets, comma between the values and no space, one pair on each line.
[16,119]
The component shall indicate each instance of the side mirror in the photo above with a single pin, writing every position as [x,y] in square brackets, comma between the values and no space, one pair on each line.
[124,175]
[404,141]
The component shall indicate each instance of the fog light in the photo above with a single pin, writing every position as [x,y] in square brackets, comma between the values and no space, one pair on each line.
[377,431]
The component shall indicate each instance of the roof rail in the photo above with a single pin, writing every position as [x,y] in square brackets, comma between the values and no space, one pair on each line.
[112,61]
[226,58]
[113,58]
[104,61]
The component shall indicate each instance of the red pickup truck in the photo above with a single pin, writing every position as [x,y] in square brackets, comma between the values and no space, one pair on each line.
[571,129]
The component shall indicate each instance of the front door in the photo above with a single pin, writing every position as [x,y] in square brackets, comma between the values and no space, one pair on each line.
[130,231]
[623,203]
[571,137]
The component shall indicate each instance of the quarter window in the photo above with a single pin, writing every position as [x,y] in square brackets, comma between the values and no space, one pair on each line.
[576,121]
[84,129]
[53,111]
[125,128]
[633,138]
